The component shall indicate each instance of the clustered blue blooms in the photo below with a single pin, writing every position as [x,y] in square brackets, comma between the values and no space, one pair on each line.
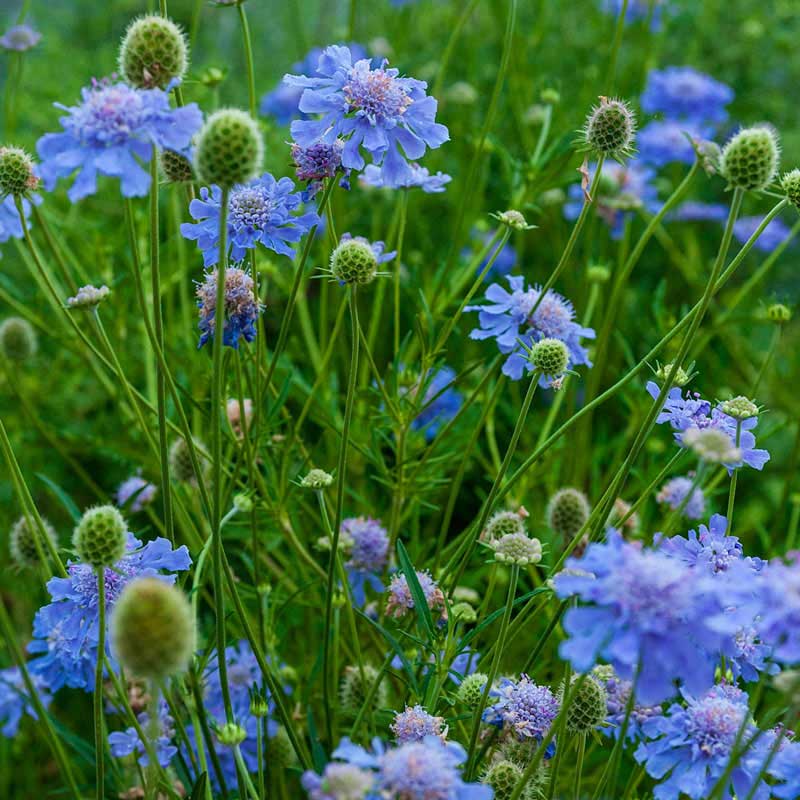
[400,600]
[674,494]
[415,724]
[260,212]
[418,177]
[618,693]
[241,307]
[366,543]
[136,491]
[114,128]
[65,630]
[127,742]
[428,769]
[371,108]
[15,700]
[507,319]
[687,411]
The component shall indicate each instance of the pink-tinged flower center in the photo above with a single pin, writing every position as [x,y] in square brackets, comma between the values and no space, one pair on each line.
[376,94]
[713,724]
[109,115]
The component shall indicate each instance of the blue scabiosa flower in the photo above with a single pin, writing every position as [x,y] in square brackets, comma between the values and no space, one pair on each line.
[622,189]
[260,212]
[340,781]
[439,404]
[638,10]
[15,701]
[779,622]
[366,543]
[241,307]
[10,225]
[419,177]
[685,93]
[674,492]
[618,693]
[319,161]
[114,129]
[370,108]
[400,600]
[523,709]
[665,141]
[695,211]
[775,234]
[137,491]
[507,319]
[642,609]
[690,747]
[684,412]
[65,630]
[415,724]
[505,258]
[786,768]
[127,742]
[282,103]
[19,38]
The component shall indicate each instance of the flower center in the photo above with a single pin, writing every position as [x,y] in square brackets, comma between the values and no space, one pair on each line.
[376,94]
[109,115]
[250,208]
[713,724]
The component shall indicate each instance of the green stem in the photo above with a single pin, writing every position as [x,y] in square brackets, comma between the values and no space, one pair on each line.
[734,475]
[248,60]
[773,346]
[398,266]
[99,738]
[579,765]
[611,76]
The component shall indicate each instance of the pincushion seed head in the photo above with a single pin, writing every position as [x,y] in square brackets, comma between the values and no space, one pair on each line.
[353,690]
[779,313]
[790,183]
[354,261]
[471,689]
[517,548]
[502,523]
[87,298]
[280,750]
[587,708]
[317,479]
[229,149]
[18,341]
[550,357]
[750,159]
[503,777]
[22,542]
[152,629]
[740,408]
[177,168]
[610,129]
[231,735]
[680,378]
[100,535]
[153,53]
[463,612]
[17,176]
[567,512]
[180,462]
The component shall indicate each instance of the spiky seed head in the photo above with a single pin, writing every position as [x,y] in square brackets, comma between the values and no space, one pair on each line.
[550,357]
[567,512]
[610,129]
[587,708]
[598,273]
[152,629]
[779,313]
[463,612]
[180,462]
[354,261]
[22,542]
[750,159]
[229,149]
[280,751]
[790,183]
[153,52]
[471,690]
[514,220]
[517,548]
[502,523]
[317,479]
[740,408]
[503,776]
[177,168]
[353,690]
[100,535]
[18,340]
[17,176]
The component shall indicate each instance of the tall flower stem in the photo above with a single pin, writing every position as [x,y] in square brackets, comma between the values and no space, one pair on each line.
[99,738]
[734,475]
[493,670]
[579,765]
[248,59]
[398,266]
[773,346]
[341,480]
[611,75]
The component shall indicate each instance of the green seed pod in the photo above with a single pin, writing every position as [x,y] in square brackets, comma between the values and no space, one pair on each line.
[354,261]
[471,690]
[598,273]
[353,691]
[587,706]
[153,52]
[180,463]
[16,172]
[503,777]
[231,735]
[750,159]
[22,542]
[502,523]
[18,341]
[176,167]
[317,479]
[790,183]
[152,629]
[464,612]
[100,535]
[550,357]
[229,149]
[567,512]
[610,129]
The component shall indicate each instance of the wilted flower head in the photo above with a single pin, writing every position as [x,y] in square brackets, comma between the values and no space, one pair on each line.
[401,601]
[88,298]
[110,132]
[20,38]
[241,307]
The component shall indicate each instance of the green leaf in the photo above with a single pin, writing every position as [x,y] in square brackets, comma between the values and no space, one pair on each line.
[62,496]
[199,789]
[420,603]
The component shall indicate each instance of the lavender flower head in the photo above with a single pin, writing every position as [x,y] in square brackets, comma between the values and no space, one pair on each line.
[779,621]
[419,177]
[415,724]
[618,693]
[523,709]
[774,235]
[139,489]
[15,700]
[114,129]
[370,108]
[241,307]
[127,742]
[339,782]
[366,543]
[674,492]
[692,746]
[65,630]
[319,161]
[684,93]
[401,601]
[507,319]
[260,212]
[19,38]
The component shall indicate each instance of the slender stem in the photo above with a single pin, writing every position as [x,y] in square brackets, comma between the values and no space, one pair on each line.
[611,76]
[579,765]
[248,59]
[99,738]
[734,475]
[398,266]
[773,346]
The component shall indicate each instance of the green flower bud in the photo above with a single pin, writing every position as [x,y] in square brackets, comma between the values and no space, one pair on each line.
[517,548]
[587,708]
[229,148]
[502,523]
[750,159]
[180,462]
[550,96]
[16,172]
[100,535]
[317,479]
[231,735]
[598,273]
[550,357]
[22,542]
[610,129]
[464,612]
[176,167]
[354,261]
[471,690]
[779,313]
[567,512]
[740,408]
[153,53]
[18,340]
[243,503]
[680,379]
